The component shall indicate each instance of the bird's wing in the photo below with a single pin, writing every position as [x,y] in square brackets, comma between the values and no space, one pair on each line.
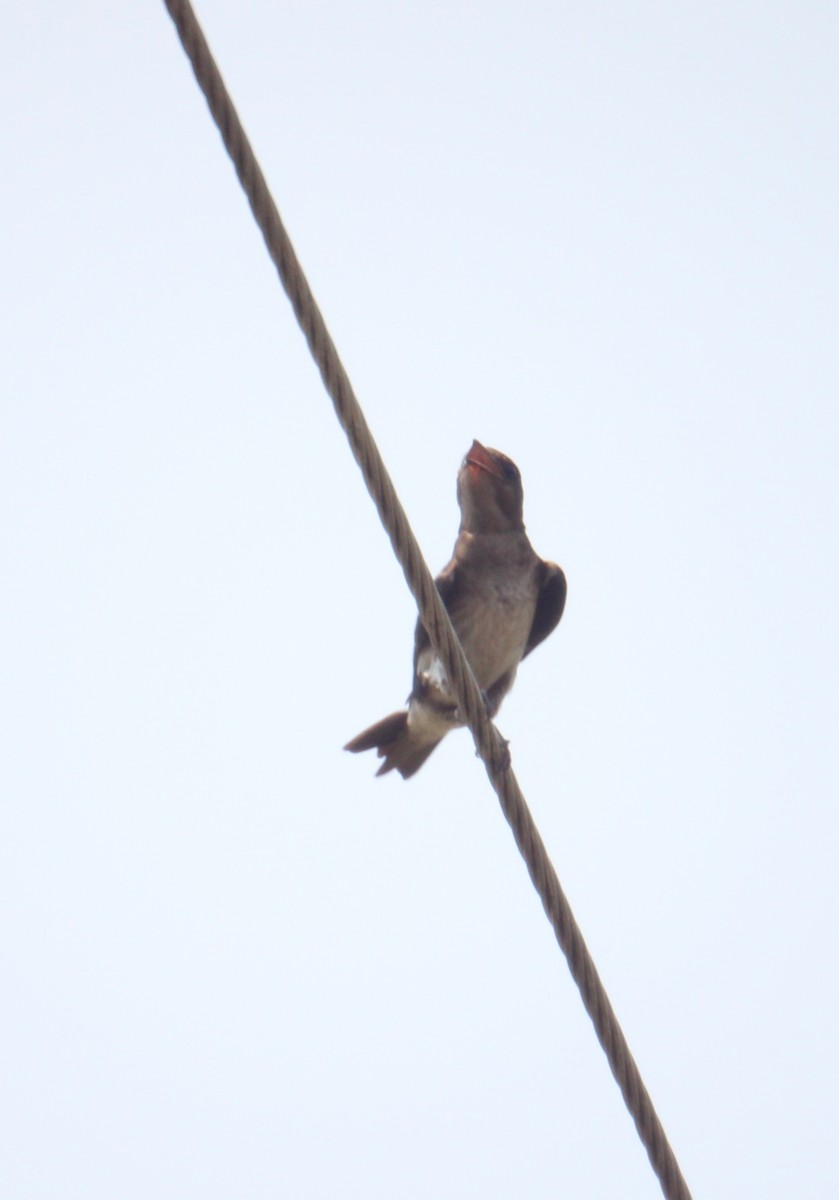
[549,606]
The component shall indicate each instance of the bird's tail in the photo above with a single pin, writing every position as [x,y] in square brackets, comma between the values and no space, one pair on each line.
[402,748]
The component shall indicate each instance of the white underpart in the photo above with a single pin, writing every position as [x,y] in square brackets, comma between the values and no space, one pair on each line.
[428,724]
[426,720]
[434,675]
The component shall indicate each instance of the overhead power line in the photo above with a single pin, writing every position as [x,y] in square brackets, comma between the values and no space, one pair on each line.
[490,745]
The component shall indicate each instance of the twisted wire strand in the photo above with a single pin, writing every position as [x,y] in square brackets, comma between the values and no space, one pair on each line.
[489,743]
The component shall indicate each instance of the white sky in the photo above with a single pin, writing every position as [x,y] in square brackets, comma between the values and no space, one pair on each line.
[600,238]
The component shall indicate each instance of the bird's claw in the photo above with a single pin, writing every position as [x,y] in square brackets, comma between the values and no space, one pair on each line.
[503,758]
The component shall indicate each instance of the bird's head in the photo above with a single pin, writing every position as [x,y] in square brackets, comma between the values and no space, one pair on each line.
[489,492]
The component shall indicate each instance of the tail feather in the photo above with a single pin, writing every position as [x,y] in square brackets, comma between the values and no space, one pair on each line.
[395,742]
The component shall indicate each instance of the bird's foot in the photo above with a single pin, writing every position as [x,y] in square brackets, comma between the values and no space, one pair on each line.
[501,760]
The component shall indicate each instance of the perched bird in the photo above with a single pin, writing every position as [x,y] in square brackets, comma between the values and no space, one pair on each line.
[503,600]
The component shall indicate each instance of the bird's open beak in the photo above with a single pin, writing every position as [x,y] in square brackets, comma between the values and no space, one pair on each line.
[479,456]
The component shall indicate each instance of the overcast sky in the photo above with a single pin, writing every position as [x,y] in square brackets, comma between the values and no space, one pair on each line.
[602,238]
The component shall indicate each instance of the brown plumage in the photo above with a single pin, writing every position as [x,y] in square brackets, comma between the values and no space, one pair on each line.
[503,601]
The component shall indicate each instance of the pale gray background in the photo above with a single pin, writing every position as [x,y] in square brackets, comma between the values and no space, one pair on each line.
[602,238]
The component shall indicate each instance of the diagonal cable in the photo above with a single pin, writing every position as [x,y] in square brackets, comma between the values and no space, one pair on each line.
[489,743]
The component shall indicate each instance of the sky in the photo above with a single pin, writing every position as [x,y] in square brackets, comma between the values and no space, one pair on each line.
[601,238]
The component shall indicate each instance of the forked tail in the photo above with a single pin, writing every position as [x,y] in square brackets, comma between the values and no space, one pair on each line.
[393,740]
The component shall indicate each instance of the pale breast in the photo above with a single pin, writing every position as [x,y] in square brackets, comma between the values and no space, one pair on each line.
[493,615]
[494,634]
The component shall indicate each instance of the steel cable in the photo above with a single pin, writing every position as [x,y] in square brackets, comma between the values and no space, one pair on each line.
[489,743]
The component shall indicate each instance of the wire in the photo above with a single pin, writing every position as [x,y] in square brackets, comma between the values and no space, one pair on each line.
[490,745]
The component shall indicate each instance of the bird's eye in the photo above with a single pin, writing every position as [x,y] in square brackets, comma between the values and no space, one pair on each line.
[510,470]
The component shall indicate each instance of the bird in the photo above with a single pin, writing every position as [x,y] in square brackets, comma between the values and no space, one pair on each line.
[503,601]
